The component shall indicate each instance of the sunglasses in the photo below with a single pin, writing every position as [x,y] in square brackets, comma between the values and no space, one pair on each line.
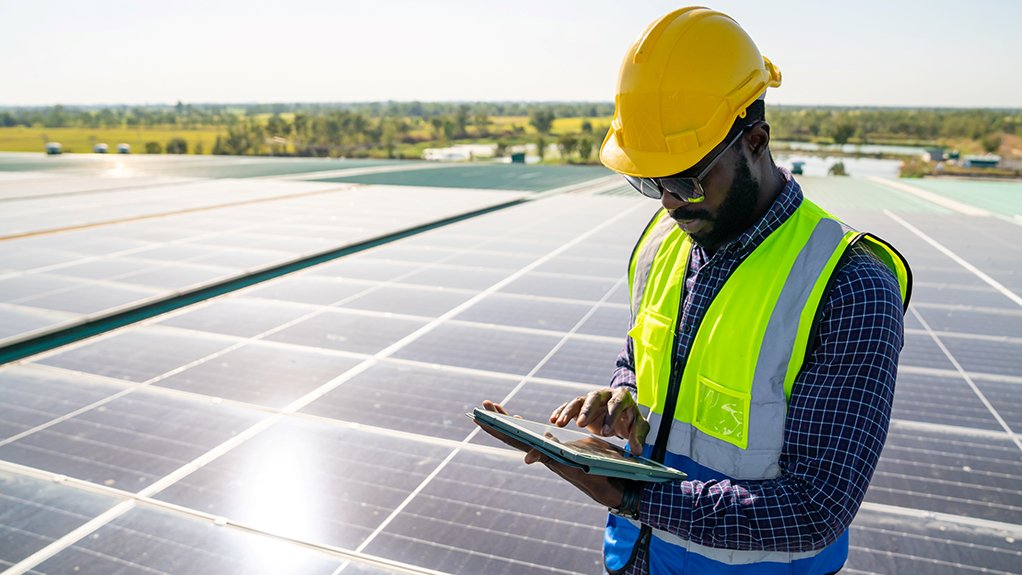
[684,188]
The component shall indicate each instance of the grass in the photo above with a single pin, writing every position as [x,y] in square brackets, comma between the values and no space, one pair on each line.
[81,140]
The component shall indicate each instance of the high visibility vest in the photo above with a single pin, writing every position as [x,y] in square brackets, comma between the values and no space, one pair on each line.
[724,408]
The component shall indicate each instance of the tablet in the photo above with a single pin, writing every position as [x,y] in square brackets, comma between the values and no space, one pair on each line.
[578,449]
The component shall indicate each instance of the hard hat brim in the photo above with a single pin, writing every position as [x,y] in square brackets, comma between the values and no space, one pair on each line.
[643,164]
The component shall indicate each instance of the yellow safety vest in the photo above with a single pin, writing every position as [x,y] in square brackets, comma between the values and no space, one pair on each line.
[728,411]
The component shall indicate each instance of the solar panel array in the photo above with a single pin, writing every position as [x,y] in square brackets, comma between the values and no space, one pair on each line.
[314,423]
[99,246]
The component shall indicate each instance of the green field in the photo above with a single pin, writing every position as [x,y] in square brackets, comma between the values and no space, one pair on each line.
[81,140]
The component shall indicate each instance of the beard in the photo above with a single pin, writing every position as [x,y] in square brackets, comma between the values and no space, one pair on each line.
[737,212]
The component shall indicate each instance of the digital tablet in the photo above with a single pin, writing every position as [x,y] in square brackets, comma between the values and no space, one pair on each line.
[577,449]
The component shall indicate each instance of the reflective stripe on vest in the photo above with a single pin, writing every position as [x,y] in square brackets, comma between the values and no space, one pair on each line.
[728,556]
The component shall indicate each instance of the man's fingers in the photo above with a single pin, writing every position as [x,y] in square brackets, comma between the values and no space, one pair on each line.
[637,437]
[619,421]
[593,409]
[556,414]
[534,455]
[496,407]
[568,412]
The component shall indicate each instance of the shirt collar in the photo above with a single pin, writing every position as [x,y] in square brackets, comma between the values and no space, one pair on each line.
[783,207]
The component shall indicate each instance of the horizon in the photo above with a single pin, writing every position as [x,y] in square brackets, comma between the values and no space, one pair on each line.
[915,54]
[471,102]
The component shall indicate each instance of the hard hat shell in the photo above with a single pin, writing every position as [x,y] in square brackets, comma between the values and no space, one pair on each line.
[682,85]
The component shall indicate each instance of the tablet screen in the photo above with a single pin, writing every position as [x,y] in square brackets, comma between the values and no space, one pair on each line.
[577,442]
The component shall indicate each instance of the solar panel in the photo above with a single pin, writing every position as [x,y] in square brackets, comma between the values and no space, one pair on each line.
[314,422]
[109,250]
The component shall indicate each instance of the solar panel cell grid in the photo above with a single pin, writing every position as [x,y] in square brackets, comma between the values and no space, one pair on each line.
[972,320]
[132,441]
[968,476]
[242,317]
[461,524]
[607,321]
[316,481]
[34,513]
[90,298]
[32,395]
[147,541]
[884,544]
[456,277]
[421,399]
[1006,397]
[261,374]
[524,311]
[410,300]
[137,355]
[473,347]
[583,361]
[350,332]
[555,285]
[946,400]
[987,355]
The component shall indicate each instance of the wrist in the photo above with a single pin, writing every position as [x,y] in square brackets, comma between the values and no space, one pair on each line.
[630,499]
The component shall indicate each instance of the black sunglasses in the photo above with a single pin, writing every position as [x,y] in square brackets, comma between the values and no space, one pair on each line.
[684,188]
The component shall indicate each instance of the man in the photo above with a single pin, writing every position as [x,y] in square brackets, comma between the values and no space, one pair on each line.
[765,333]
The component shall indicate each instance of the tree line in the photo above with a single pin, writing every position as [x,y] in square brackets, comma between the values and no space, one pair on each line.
[400,129]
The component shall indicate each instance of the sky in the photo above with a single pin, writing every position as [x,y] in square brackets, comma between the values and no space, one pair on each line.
[865,53]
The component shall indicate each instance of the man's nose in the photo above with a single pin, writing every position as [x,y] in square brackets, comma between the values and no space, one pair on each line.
[670,202]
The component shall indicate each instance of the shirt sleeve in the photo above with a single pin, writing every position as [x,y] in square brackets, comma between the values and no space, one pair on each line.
[835,428]
[624,368]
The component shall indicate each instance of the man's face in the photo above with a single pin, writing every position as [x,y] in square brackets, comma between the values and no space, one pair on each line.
[729,207]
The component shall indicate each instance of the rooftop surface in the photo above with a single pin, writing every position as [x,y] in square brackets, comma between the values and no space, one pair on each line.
[257,365]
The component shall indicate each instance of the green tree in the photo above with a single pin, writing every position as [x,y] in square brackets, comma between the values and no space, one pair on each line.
[177,146]
[482,124]
[567,143]
[991,143]
[541,147]
[277,127]
[438,127]
[388,136]
[837,169]
[585,148]
[542,119]
[153,148]
[461,119]
[842,132]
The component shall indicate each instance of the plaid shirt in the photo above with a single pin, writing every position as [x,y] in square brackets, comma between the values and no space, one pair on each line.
[837,417]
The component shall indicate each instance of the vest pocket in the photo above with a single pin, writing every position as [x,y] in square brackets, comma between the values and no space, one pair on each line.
[721,412]
[651,336]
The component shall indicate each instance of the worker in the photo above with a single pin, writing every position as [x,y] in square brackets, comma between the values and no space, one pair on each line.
[764,336]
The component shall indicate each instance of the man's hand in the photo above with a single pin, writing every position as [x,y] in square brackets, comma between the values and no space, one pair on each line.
[606,412]
[604,490]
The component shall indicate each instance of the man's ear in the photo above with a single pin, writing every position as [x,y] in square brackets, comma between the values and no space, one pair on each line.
[758,139]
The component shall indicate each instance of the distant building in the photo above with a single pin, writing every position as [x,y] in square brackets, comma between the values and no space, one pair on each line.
[988,161]
[53,148]
[123,149]
[933,154]
[100,149]
[459,153]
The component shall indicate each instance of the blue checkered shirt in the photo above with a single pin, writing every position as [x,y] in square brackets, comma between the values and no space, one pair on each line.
[837,416]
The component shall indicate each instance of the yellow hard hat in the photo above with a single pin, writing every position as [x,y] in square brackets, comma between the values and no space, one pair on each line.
[682,85]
